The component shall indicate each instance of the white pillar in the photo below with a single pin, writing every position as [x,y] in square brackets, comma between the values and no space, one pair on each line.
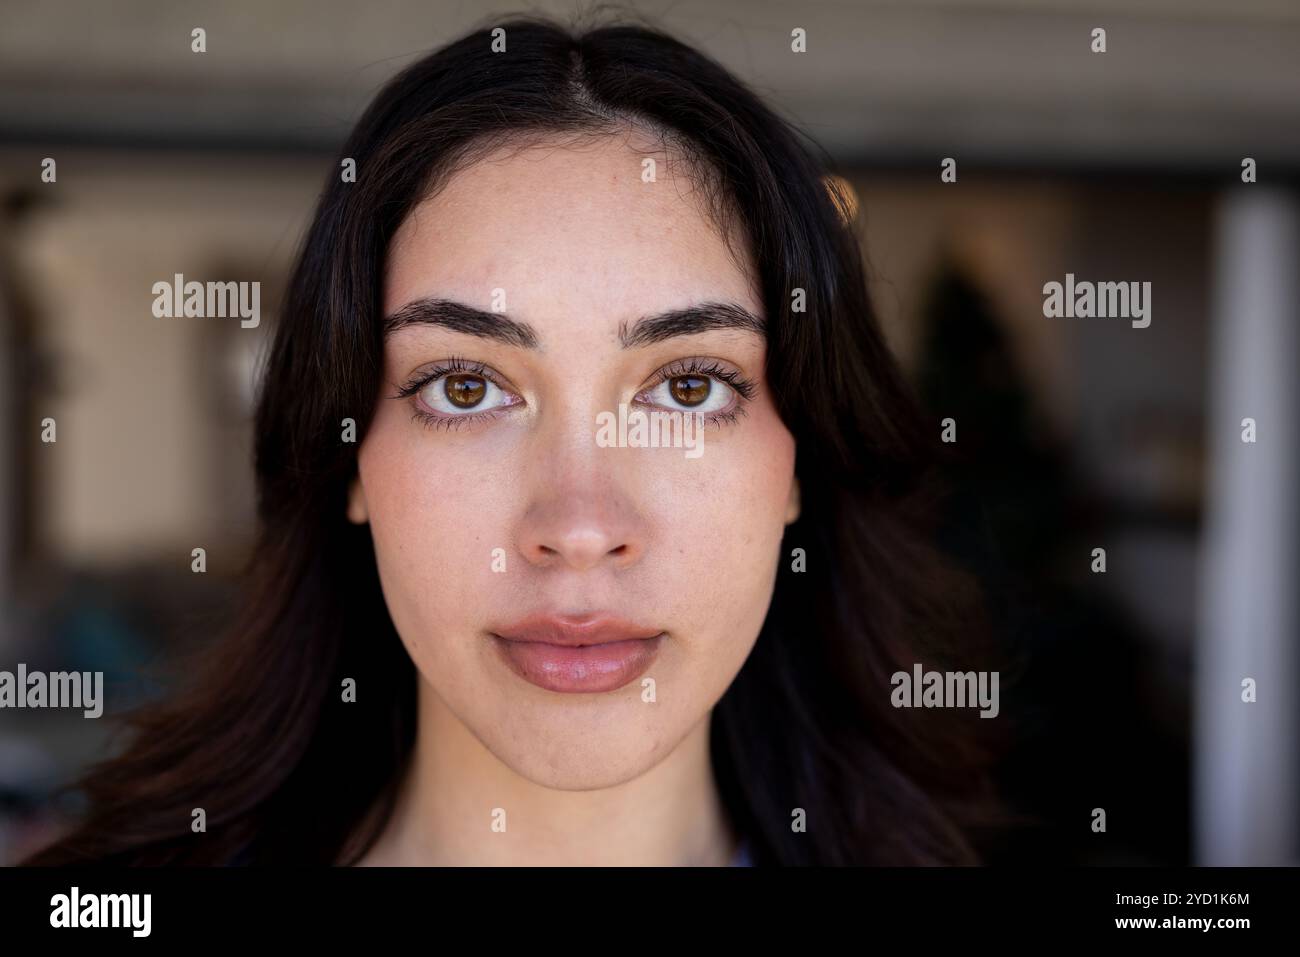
[1246,807]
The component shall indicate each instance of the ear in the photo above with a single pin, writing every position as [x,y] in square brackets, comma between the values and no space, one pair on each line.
[792,507]
[357,511]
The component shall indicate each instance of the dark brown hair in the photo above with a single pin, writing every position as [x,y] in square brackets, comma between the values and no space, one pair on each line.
[259,738]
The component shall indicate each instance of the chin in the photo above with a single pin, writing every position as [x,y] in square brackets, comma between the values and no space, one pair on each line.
[581,774]
[579,756]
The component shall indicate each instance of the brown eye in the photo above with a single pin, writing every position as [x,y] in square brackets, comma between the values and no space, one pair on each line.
[693,391]
[465,391]
[461,393]
[690,389]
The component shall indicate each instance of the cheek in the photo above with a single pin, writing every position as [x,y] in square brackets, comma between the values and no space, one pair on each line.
[722,518]
[435,518]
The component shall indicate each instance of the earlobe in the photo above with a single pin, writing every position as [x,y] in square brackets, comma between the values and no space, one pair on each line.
[792,507]
[357,511]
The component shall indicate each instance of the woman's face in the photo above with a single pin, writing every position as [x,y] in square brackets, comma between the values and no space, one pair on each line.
[506,513]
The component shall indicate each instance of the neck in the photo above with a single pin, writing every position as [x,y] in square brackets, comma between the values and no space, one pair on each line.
[447,814]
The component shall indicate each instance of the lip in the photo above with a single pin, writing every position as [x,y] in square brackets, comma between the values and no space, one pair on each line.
[577,654]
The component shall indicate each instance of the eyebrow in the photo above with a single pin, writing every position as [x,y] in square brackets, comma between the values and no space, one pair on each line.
[703,317]
[458,317]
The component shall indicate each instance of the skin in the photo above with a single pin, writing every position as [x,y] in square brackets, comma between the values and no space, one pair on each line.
[580,244]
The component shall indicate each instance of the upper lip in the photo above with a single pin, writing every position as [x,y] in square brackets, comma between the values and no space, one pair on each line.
[572,631]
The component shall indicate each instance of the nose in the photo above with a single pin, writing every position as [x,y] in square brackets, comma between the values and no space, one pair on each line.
[579,529]
[581,510]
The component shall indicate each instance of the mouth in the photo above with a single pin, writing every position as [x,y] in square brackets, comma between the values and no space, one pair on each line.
[577,654]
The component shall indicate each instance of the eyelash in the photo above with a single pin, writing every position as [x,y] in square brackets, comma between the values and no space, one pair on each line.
[744,388]
[709,368]
[452,366]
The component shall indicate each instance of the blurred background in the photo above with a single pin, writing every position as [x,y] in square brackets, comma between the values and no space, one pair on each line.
[1073,434]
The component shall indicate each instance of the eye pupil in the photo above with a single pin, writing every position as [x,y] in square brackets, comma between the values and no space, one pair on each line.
[689,389]
[465,391]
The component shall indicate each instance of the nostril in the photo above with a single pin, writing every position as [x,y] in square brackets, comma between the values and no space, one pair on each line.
[579,546]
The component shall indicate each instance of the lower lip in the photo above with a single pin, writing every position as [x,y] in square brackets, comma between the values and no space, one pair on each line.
[586,669]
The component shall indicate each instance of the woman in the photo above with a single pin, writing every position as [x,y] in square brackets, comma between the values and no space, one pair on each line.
[499,628]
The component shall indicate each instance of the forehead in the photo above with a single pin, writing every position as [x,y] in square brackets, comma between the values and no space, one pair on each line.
[569,224]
